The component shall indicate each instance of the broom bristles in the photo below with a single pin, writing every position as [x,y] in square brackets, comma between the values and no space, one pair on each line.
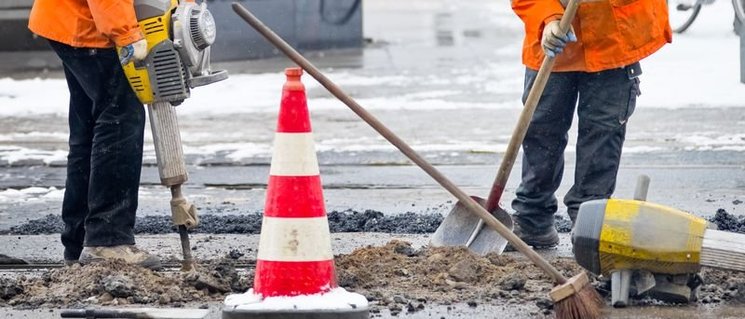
[585,304]
[577,299]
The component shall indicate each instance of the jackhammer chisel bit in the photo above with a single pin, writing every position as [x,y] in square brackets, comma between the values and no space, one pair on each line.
[172,171]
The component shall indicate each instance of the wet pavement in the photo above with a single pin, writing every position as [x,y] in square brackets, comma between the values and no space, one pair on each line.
[444,62]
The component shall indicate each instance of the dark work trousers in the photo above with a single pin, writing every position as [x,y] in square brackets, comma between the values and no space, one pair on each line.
[604,102]
[107,124]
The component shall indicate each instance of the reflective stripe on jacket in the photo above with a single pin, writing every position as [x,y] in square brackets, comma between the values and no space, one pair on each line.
[611,33]
[86,23]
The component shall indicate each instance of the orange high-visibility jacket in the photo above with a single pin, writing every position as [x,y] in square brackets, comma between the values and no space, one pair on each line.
[611,33]
[86,23]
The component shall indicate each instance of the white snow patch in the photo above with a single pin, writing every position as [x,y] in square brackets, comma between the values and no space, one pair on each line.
[13,154]
[30,194]
[34,96]
[34,136]
[241,93]
[249,152]
[409,102]
[713,141]
[233,151]
[641,149]
[337,145]
[335,299]
[700,68]
[348,79]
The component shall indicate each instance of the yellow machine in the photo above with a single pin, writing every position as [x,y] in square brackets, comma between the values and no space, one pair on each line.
[660,248]
[179,35]
[615,234]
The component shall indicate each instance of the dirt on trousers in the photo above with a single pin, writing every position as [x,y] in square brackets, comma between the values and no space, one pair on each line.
[395,276]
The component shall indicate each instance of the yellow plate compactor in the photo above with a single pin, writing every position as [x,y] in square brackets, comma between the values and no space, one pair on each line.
[620,237]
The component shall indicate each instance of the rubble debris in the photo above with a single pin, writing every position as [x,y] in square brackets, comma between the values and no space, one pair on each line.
[728,222]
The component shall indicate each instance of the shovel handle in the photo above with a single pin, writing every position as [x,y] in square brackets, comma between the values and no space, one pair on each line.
[518,134]
[471,204]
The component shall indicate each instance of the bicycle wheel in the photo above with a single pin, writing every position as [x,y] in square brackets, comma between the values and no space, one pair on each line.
[739,6]
[682,13]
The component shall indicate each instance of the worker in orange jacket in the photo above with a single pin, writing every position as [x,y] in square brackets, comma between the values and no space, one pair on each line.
[106,122]
[597,72]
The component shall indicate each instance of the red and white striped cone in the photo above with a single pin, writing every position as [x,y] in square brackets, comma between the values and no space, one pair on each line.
[295,246]
[295,274]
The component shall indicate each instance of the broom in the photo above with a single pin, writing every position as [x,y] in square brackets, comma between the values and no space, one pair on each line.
[573,297]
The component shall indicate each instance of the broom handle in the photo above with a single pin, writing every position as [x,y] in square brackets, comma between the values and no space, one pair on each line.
[400,144]
[518,135]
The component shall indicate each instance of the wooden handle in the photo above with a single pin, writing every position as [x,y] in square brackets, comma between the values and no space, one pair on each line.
[518,135]
[472,205]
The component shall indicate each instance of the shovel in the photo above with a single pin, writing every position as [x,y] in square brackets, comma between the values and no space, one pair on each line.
[463,228]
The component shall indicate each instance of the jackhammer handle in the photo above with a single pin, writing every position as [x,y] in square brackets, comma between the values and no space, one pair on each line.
[472,205]
[518,135]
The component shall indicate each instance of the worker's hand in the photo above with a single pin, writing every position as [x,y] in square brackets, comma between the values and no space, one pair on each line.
[136,51]
[553,41]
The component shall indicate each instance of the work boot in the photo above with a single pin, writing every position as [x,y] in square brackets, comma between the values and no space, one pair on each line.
[129,253]
[546,239]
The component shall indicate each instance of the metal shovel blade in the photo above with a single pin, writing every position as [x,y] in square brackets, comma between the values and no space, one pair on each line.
[463,228]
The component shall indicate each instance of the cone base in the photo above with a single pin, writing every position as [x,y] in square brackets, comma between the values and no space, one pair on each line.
[296,314]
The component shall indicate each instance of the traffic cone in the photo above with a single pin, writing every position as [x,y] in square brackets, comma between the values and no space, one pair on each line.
[294,255]
[295,273]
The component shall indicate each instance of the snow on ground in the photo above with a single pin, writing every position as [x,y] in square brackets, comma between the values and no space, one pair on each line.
[699,69]
[30,194]
[708,141]
[36,194]
[335,299]
[13,154]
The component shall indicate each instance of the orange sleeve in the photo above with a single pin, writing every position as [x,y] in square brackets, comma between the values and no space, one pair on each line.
[116,19]
[536,13]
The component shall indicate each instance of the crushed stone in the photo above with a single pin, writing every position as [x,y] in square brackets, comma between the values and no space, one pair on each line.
[344,221]
[728,222]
